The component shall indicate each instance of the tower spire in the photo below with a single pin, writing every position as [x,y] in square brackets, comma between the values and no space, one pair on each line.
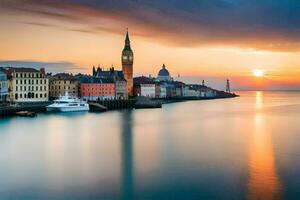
[127,41]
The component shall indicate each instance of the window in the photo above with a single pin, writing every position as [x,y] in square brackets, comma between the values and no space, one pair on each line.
[25,96]
[24,75]
[45,95]
[16,77]
[16,81]
[36,96]
[16,96]
[21,81]
[41,82]
[21,96]
[41,88]
[45,81]
[16,88]
[36,88]
[37,81]
[45,88]
[41,95]
[21,88]
[25,81]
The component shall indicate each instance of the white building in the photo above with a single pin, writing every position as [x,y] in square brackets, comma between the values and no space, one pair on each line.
[28,85]
[148,90]
[162,91]
[3,87]
[193,93]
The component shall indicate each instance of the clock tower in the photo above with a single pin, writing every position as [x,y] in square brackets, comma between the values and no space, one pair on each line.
[127,65]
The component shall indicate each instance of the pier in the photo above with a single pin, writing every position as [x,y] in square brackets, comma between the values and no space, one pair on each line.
[104,105]
[11,110]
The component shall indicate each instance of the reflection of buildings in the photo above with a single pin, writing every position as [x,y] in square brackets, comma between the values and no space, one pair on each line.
[264,182]
[127,173]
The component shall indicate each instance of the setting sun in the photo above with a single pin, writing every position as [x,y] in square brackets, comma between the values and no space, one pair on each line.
[258,73]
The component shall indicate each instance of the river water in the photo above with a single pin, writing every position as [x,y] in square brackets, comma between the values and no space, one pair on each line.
[241,148]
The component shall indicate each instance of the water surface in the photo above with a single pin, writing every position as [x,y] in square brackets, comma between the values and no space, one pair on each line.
[241,148]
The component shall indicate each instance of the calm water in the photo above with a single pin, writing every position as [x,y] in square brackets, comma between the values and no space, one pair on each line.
[242,148]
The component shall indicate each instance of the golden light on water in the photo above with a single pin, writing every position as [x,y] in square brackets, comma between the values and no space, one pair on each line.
[264,182]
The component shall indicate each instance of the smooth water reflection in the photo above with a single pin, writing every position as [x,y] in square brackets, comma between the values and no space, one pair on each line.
[242,148]
[264,182]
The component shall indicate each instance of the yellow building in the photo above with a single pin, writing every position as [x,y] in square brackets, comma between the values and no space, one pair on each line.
[28,85]
[62,83]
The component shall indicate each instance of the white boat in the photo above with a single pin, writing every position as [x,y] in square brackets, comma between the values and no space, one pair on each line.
[67,103]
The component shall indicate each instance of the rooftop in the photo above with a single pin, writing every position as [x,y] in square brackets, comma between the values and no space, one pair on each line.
[64,76]
[143,80]
[91,79]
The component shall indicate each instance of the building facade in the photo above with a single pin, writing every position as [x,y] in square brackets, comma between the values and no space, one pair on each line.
[3,87]
[127,65]
[28,85]
[120,86]
[92,88]
[117,77]
[148,90]
[63,83]
[162,91]
[144,86]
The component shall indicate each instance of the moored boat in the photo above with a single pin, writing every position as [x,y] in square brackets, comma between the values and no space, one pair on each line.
[67,103]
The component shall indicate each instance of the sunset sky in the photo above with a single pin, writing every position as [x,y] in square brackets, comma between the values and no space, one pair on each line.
[196,39]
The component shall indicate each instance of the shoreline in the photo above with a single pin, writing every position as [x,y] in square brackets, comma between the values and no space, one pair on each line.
[108,105]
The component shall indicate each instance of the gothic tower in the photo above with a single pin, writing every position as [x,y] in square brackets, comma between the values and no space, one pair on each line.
[127,65]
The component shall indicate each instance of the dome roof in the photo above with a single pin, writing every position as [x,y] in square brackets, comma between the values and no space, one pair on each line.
[163,71]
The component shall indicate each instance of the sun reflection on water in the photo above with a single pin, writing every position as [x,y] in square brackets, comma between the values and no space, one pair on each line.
[264,182]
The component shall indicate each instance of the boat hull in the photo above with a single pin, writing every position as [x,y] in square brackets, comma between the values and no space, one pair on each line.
[68,109]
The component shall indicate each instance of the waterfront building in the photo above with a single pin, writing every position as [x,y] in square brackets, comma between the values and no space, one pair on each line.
[92,88]
[210,93]
[63,83]
[127,65]
[28,85]
[117,77]
[144,86]
[3,87]
[179,87]
[185,91]
[163,74]
[162,91]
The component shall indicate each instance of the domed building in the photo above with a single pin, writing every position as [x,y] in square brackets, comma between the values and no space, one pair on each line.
[163,74]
